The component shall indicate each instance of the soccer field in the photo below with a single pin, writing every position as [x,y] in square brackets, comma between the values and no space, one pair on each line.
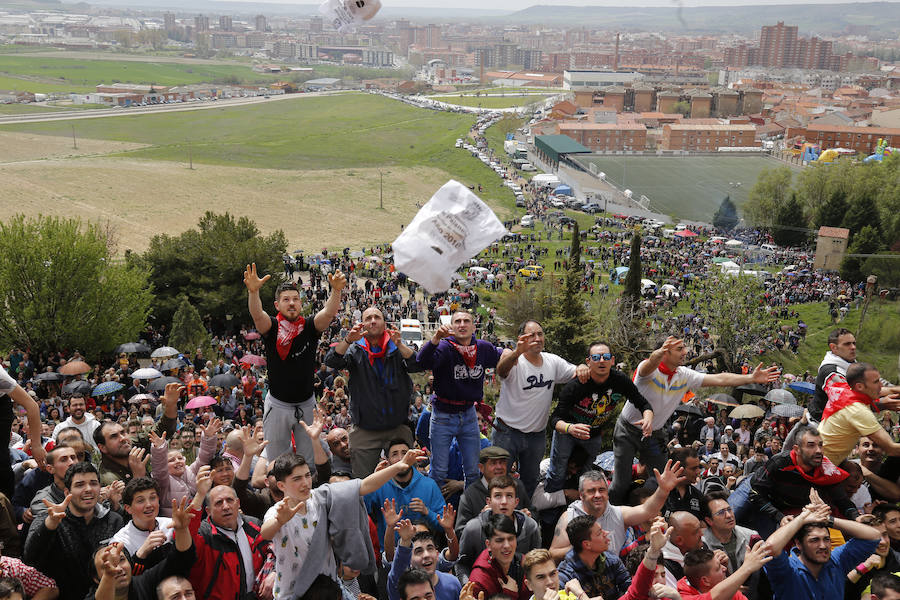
[689,187]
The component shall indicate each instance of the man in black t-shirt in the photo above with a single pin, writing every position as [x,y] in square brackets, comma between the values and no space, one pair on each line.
[291,343]
[584,408]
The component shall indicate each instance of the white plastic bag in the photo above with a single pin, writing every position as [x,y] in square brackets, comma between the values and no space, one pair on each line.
[451,228]
[346,15]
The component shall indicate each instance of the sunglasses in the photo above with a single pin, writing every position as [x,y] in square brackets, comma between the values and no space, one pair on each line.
[599,357]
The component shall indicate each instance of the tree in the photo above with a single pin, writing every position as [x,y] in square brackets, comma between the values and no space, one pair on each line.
[632,292]
[188,332]
[861,213]
[206,265]
[867,241]
[566,324]
[886,269]
[682,107]
[61,288]
[726,216]
[788,218]
[768,193]
[831,213]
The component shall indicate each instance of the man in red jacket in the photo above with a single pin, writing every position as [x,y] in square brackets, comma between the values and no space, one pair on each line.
[705,573]
[498,570]
[230,550]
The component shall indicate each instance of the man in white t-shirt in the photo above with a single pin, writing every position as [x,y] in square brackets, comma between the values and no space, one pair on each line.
[663,381]
[527,376]
[147,534]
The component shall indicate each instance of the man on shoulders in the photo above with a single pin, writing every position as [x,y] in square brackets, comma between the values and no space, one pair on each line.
[291,345]
[527,376]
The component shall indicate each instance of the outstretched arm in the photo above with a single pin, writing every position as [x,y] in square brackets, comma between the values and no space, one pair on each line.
[261,320]
[324,317]
[379,478]
[759,375]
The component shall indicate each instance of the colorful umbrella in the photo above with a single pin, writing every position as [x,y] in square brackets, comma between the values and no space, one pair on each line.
[75,367]
[804,387]
[107,387]
[251,335]
[200,402]
[253,359]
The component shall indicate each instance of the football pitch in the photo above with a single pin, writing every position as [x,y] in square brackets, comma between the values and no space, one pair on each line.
[690,187]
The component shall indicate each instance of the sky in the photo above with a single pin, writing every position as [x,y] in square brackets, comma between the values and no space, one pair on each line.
[514,5]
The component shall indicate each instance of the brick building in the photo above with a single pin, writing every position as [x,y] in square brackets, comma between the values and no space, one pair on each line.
[861,139]
[707,138]
[831,243]
[600,137]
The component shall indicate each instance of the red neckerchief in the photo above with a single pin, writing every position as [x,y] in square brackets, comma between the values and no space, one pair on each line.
[844,399]
[468,353]
[666,371]
[364,344]
[287,331]
[824,474]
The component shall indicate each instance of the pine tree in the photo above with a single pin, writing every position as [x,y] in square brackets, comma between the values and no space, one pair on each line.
[188,332]
[867,241]
[632,291]
[788,217]
[832,212]
[566,326]
[726,216]
[861,213]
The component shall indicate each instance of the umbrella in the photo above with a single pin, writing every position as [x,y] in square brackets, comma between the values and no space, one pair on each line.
[175,363]
[139,398]
[132,348]
[251,335]
[77,387]
[49,376]
[107,387]
[357,254]
[803,387]
[252,359]
[75,367]
[146,373]
[605,461]
[225,380]
[723,400]
[159,384]
[164,352]
[200,402]
[751,389]
[787,410]
[746,411]
[781,397]
[689,409]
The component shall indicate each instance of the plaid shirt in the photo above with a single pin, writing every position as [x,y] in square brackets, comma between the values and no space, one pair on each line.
[32,580]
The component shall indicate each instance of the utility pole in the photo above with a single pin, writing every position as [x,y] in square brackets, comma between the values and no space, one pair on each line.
[191,156]
[380,189]
[74,142]
[871,280]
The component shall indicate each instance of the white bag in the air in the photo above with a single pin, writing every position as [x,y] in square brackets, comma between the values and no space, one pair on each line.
[451,228]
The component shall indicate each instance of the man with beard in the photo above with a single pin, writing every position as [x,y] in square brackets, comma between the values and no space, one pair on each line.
[812,569]
[881,474]
[339,443]
[291,344]
[62,543]
[120,461]
[84,422]
[380,387]
[783,486]
[663,380]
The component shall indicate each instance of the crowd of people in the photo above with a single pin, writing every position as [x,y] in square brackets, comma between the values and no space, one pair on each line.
[317,455]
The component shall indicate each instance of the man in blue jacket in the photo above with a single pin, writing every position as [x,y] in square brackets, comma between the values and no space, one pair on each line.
[380,388]
[417,496]
[599,572]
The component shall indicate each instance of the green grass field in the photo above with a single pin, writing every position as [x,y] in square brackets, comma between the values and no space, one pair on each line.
[50,74]
[686,187]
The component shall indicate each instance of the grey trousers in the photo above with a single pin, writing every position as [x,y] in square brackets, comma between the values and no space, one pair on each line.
[280,420]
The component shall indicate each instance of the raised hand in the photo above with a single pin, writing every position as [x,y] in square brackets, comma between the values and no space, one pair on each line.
[671,476]
[252,280]
[659,535]
[412,457]
[442,332]
[156,440]
[251,445]
[55,512]
[181,514]
[466,592]
[527,342]
[356,333]
[337,281]
[769,375]
[390,513]
[172,393]
[204,481]
[661,590]
[212,428]
[137,462]
[448,519]
[156,539]
[315,430]
[759,555]
[396,337]
[114,492]
[110,559]
[670,344]
[285,512]
[406,530]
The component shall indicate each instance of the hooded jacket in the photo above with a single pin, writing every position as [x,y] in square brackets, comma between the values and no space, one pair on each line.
[612,581]
[471,542]
[487,574]
[420,487]
[832,367]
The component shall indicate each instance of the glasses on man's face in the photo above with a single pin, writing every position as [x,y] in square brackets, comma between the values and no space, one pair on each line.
[599,357]
[723,512]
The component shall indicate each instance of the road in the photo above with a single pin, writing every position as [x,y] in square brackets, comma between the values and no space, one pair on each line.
[155,109]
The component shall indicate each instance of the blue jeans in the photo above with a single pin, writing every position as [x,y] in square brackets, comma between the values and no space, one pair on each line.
[561,450]
[526,448]
[464,427]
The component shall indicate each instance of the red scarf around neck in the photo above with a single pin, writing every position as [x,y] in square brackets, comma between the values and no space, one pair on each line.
[847,397]
[364,344]
[824,474]
[669,373]
[469,353]
[287,331]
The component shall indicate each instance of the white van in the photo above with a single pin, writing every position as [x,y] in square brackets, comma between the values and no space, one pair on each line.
[411,333]
[527,221]
[769,247]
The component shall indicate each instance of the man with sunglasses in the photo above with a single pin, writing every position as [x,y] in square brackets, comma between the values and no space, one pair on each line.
[723,533]
[584,408]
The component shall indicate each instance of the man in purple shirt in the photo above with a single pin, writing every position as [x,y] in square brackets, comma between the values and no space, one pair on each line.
[458,361]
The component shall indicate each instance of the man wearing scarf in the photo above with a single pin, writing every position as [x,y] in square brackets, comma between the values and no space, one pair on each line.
[663,381]
[782,487]
[458,361]
[291,342]
[848,415]
[380,387]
